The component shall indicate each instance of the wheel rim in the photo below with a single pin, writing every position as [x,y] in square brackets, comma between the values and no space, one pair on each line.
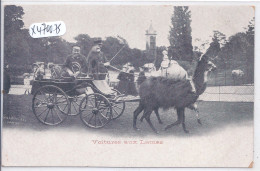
[50,105]
[118,108]
[74,105]
[95,111]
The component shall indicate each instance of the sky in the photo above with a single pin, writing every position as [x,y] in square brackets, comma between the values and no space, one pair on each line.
[131,21]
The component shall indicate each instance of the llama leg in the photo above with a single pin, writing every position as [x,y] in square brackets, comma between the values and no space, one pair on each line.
[183,121]
[147,115]
[195,108]
[177,122]
[198,117]
[142,118]
[157,115]
[137,111]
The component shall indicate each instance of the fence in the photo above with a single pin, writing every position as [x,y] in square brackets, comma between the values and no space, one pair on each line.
[225,78]
[222,87]
[243,93]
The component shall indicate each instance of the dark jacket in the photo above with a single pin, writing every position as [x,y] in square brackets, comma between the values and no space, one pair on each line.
[123,82]
[75,62]
[131,85]
[126,83]
[95,60]
[141,78]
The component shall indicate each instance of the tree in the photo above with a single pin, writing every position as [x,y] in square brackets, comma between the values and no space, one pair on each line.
[251,31]
[57,50]
[219,37]
[180,34]
[250,34]
[16,48]
[13,18]
[85,42]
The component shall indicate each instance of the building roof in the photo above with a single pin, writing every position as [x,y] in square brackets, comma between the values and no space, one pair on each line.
[150,30]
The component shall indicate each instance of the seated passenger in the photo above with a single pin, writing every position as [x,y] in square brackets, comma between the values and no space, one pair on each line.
[75,63]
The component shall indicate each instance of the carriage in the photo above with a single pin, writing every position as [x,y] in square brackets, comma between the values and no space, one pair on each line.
[55,99]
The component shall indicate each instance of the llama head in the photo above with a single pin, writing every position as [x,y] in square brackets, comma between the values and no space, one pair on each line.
[211,66]
[205,64]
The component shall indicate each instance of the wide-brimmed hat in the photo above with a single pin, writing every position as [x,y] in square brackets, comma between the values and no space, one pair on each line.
[98,41]
[75,45]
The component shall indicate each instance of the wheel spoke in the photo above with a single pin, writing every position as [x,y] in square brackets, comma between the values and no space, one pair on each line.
[95,120]
[92,103]
[77,103]
[40,99]
[86,116]
[74,106]
[91,118]
[57,114]
[115,111]
[84,103]
[95,101]
[99,103]
[103,109]
[118,107]
[100,120]
[65,107]
[42,112]
[41,106]
[61,102]
[111,114]
[55,93]
[104,116]
[58,98]
[52,116]
[46,115]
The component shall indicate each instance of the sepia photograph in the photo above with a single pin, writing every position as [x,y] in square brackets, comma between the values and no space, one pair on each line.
[127,85]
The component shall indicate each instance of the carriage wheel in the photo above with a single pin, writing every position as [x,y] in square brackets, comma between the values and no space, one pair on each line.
[50,105]
[118,107]
[74,104]
[95,110]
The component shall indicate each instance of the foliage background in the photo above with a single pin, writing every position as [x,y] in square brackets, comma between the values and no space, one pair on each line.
[236,51]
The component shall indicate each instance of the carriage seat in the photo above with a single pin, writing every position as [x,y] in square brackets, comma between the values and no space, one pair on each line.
[103,87]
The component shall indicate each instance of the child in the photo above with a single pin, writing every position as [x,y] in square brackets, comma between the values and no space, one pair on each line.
[26,83]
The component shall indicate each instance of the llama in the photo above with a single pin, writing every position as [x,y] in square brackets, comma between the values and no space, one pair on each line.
[237,76]
[172,70]
[237,73]
[161,92]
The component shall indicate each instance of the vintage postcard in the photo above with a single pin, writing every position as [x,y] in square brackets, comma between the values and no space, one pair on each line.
[127,85]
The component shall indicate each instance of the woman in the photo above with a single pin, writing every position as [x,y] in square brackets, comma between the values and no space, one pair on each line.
[123,80]
[131,81]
